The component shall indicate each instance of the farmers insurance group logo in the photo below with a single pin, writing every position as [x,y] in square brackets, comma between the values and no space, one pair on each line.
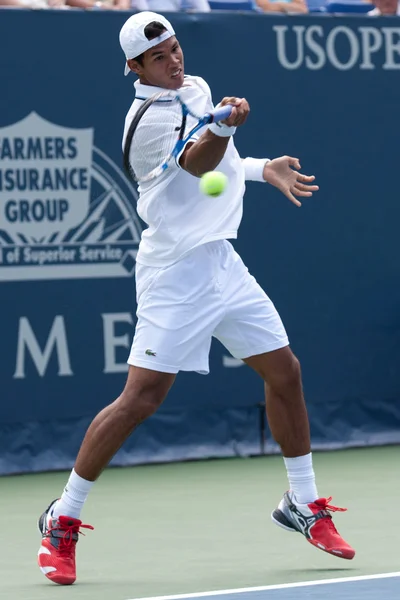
[66,210]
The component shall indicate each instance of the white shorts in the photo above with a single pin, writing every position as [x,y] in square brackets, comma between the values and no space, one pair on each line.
[208,293]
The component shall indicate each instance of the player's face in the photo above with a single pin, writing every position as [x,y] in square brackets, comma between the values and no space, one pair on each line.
[163,65]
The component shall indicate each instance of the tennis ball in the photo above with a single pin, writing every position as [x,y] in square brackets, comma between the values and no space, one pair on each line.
[213,183]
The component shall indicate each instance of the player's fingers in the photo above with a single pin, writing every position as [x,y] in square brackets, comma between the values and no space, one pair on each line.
[301,193]
[231,120]
[237,117]
[294,162]
[289,195]
[301,177]
[230,100]
[241,118]
[305,187]
[242,111]
[243,105]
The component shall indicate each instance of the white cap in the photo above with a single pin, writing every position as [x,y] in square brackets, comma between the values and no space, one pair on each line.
[132,38]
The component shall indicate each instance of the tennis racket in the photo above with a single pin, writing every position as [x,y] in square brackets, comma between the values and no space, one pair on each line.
[157,134]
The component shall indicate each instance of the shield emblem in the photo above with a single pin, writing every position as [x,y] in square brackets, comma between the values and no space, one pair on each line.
[45,179]
[67,211]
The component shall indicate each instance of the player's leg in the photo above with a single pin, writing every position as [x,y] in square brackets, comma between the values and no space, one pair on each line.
[144,392]
[287,417]
[178,308]
[286,410]
[300,509]
[60,524]
[253,331]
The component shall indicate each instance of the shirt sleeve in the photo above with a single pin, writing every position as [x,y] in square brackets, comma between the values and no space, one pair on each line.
[203,85]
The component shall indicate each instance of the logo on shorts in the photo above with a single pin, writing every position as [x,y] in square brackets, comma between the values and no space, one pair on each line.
[150,352]
[66,209]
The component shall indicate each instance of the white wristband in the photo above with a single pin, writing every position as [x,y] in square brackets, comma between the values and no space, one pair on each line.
[221,130]
[254,168]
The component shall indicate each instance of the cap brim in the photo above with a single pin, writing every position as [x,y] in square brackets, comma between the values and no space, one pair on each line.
[127,69]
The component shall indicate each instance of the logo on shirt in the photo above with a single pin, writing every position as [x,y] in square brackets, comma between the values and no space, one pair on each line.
[150,352]
[66,209]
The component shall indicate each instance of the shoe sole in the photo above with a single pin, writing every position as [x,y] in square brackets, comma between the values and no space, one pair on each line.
[60,580]
[348,555]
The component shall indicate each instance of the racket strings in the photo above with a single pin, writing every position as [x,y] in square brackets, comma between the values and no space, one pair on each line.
[155,137]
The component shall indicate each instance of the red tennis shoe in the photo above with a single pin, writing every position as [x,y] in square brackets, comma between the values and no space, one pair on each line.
[315,522]
[56,556]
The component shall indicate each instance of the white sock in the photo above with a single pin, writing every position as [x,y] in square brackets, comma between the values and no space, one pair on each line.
[73,497]
[302,478]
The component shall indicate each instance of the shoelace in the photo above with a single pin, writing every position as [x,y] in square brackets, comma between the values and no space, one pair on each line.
[323,503]
[67,541]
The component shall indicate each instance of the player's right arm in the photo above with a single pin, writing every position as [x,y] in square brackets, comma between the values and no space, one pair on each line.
[206,153]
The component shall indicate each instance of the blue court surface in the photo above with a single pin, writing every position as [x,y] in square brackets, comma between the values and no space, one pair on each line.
[369,587]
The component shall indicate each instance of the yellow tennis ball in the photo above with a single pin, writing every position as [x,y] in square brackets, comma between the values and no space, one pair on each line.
[213,183]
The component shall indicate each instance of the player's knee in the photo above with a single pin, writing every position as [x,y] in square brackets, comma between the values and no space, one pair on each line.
[294,372]
[141,399]
[288,378]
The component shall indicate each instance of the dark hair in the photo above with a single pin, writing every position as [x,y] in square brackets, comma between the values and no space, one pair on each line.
[151,31]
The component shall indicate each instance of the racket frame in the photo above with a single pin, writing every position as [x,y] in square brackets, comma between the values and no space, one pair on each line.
[218,114]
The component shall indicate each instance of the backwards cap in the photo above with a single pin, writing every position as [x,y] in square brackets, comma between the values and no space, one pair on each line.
[132,38]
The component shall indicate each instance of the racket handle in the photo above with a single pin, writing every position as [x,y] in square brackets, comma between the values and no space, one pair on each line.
[220,114]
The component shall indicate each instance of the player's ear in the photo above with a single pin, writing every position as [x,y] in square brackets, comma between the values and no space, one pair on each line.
[135,66]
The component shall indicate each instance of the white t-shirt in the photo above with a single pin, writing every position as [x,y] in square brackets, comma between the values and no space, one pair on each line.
[179,217]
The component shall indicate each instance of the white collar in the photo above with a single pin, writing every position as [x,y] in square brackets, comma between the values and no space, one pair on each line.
[145,91]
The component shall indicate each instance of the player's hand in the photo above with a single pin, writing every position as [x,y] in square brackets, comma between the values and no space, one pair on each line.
[239,113]
[283,173]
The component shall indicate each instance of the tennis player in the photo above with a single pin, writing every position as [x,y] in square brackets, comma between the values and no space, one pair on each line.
[192,286]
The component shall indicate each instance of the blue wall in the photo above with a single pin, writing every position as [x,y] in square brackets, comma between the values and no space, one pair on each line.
[324,89]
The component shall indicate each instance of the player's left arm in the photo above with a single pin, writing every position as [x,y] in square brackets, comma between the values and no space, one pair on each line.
[282,173]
